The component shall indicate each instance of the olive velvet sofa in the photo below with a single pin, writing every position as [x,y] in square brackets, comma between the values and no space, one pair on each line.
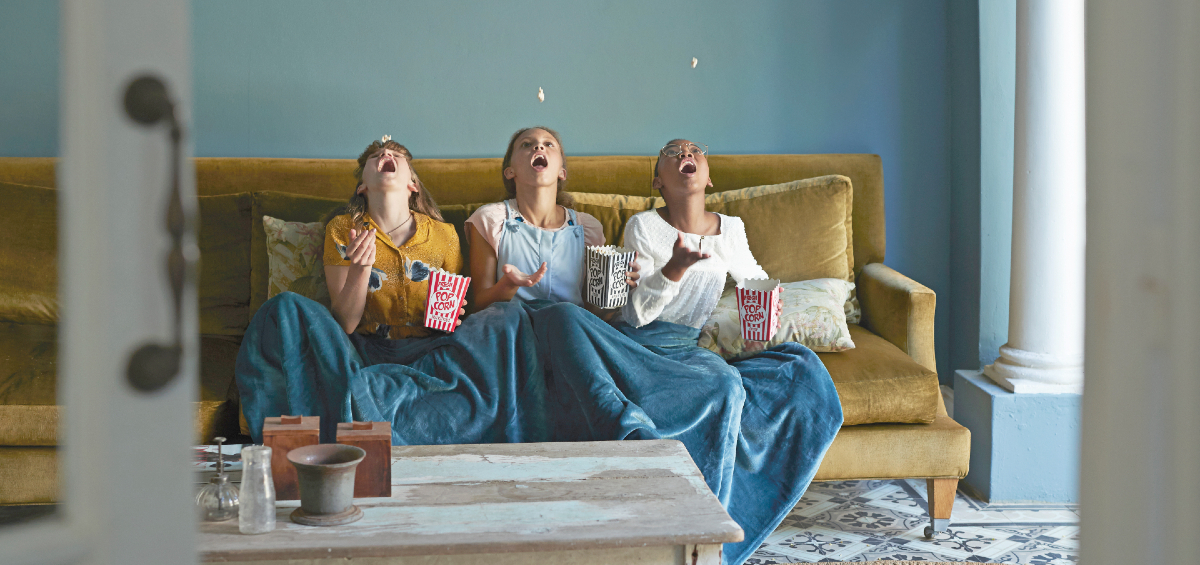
[896,425]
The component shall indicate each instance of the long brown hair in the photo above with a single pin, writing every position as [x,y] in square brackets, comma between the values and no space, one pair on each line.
[421,201]
[510,185]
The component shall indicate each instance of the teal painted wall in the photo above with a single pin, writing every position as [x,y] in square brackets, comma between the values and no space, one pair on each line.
[306,78]
[997,69]
[28,78]
[963,302]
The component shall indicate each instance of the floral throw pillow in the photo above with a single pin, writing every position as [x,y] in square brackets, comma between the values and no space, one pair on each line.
[814,315]
[294,251]
[853,310]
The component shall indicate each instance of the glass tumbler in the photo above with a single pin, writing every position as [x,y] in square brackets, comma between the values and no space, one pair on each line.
[256,514]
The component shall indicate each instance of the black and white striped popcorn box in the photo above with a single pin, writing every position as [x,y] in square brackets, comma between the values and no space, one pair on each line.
[607,266]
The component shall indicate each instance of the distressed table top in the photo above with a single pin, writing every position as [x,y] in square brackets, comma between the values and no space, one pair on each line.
[501,498]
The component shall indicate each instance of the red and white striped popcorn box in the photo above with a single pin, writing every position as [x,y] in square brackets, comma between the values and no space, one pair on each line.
[758,303]
[446,293]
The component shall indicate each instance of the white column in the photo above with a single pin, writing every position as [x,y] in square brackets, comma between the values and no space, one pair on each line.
[1044,353]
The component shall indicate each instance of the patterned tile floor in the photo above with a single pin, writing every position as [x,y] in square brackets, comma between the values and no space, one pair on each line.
[885,520]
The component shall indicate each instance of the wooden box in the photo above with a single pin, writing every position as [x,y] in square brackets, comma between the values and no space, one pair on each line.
[282,435]
[374,475]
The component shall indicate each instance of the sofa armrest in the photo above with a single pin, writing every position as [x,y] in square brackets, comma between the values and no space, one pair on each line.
[899,310]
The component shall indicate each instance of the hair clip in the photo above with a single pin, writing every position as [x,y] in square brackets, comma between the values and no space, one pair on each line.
[385,139]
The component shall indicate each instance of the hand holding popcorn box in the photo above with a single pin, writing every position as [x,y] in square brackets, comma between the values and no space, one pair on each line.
[607,266]
[758,308]
[446,292]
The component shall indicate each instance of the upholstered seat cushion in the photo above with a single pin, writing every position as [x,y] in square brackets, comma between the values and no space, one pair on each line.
[877,382]
[898,451]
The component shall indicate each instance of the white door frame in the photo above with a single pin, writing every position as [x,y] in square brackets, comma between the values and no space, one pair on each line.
[1141,411]
[127,488]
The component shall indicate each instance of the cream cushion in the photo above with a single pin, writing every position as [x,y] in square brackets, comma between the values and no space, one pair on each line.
[294,252]
[813,315]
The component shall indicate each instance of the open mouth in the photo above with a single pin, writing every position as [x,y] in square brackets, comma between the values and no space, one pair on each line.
[687,167]
[539,162]
[387,166]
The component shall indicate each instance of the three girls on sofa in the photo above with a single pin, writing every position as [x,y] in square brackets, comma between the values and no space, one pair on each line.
[757,428]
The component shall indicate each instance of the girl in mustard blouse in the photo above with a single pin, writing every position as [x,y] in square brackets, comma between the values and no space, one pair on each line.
[369,357]
[385,244]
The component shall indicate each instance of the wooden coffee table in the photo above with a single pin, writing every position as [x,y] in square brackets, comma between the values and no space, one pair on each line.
[639,502]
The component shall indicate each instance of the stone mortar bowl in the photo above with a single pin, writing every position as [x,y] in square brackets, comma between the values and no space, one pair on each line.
[326,476]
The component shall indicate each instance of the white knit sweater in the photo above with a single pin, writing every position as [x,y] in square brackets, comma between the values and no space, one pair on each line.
[691,300]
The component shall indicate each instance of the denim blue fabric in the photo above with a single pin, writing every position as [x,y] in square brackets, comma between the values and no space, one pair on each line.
[481,384]
[544,371]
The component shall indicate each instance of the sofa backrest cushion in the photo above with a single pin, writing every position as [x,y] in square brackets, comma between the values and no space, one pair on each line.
[223,235]
[456,215]
[732,172]
[613,211]
[28,254]
[799,230]
[463,181]
[29,258]
[450,181]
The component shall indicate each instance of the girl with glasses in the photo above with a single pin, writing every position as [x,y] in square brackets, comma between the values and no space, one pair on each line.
[789,412]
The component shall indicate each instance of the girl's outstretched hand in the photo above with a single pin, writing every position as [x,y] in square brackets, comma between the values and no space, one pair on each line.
[682,257]
[361,251]
[631,277]
[515,277]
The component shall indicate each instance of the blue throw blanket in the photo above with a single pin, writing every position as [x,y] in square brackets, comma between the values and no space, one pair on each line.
[757,428]
[540,371]
[481,384]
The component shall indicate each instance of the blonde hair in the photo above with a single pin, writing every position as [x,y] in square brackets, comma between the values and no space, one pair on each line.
[421,201]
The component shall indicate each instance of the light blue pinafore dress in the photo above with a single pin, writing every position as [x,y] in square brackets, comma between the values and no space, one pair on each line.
[526,247]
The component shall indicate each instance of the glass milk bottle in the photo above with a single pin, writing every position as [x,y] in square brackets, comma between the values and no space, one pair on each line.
[256,514]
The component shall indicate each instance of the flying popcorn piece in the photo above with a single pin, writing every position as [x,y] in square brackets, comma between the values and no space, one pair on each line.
[694,61]
[541,95]
[385,139]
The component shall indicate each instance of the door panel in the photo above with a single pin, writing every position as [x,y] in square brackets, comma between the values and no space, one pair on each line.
[126,483]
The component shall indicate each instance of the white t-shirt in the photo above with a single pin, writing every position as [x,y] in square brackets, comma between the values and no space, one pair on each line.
[691,300]
[489,222]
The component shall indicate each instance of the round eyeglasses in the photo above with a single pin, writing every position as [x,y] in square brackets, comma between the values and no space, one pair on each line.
[675,150]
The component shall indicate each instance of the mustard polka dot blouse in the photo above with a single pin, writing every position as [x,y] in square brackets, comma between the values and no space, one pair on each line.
[399,282]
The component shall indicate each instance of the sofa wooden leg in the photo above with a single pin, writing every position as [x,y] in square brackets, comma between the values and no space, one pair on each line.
[941,503]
